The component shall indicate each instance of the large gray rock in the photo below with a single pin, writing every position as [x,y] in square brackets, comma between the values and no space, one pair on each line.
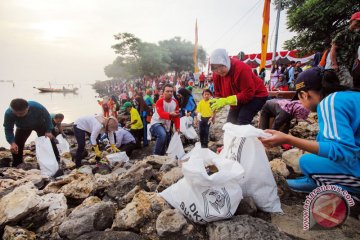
[171,223]
[56,211]
[18,203]
[91,215]
[279,166]
[75,185]
[169,178]
[244,227]
[305,130]
[145,206]
[275,152]
[291,159]
[18,233]
[123,190]
[158,161]
[110,235]
[13,177]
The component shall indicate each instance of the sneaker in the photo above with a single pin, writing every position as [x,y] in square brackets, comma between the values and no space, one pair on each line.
[303,184]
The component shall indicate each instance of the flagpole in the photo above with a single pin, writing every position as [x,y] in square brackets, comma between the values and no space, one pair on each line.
[265,33]
[195,48]
[276,31]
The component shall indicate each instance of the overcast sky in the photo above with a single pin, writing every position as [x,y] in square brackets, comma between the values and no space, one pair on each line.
[70,40]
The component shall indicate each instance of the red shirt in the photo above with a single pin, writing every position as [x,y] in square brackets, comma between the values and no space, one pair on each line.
[162,113]
[202,78]
[240,81]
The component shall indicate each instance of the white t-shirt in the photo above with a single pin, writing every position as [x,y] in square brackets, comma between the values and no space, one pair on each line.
[93,126]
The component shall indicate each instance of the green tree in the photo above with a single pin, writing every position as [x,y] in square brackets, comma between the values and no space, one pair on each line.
[181,54]
[316,22]
[139,58]
[153,59]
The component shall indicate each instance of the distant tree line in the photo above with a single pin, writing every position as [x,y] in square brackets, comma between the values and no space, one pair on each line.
[137,58]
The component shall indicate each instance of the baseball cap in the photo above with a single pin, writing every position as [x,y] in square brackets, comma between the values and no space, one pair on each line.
[355,16]
[308,80]
[126,105]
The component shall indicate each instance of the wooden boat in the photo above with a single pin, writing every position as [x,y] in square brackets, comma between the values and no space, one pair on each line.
[57,90]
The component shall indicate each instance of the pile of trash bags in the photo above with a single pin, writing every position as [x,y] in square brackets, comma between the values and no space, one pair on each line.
[214,184]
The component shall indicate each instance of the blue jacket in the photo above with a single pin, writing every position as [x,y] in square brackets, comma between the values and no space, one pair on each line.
[37,117]
[339,122]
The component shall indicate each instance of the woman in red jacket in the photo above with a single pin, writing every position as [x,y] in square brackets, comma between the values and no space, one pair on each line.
[236,85]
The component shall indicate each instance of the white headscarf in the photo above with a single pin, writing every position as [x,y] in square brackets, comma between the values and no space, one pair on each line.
[220,56]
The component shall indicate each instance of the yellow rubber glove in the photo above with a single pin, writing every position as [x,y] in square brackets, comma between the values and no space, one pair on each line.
[97,151]
[114,148]
[218,103]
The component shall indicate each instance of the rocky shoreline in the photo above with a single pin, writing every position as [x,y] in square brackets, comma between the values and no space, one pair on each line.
[124,204]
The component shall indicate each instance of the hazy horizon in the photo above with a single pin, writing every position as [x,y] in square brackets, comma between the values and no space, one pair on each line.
[67,41]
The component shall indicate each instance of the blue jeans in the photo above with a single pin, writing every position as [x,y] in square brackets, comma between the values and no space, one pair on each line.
[162,138]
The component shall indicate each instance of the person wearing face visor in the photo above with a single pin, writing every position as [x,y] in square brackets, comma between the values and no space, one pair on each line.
[334,158]
[27,116]
[236,85]
[93,126]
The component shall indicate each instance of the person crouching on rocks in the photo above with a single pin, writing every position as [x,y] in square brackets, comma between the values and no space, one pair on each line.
[93,126]
[56,120]
[236,85]
[334,157]
[166,113]
[27,116]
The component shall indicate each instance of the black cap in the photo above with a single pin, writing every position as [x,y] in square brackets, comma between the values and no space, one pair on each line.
[309,79]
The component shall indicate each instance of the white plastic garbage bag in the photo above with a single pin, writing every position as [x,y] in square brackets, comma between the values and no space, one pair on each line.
[46,157]
[148,132]
[175,149]
[63,145]
[186,128]
[187,156]
[241,144]
[118,157]
[206,198]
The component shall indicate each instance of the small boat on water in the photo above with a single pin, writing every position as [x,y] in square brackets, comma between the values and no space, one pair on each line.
[57,90]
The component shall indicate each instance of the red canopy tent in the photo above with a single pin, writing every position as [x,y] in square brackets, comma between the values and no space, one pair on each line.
[282,57]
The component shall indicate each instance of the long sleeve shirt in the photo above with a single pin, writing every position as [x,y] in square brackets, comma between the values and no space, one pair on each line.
[239,81]
[291,74]
[93,126]
[339,123]
[36,117]
[123,137]
[162,113]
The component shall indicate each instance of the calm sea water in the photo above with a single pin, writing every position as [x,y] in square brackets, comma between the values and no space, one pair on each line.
[71,105]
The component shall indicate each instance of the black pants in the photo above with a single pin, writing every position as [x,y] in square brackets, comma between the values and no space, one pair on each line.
[204,128]
[244,114]
[138,135]
[128,148]
[21,135]
[272,109]
[80,139]
[201,84]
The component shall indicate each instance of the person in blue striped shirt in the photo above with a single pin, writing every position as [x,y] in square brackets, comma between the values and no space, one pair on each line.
[334,157]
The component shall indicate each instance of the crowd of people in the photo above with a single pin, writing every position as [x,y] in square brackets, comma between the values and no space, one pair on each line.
[130,110]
